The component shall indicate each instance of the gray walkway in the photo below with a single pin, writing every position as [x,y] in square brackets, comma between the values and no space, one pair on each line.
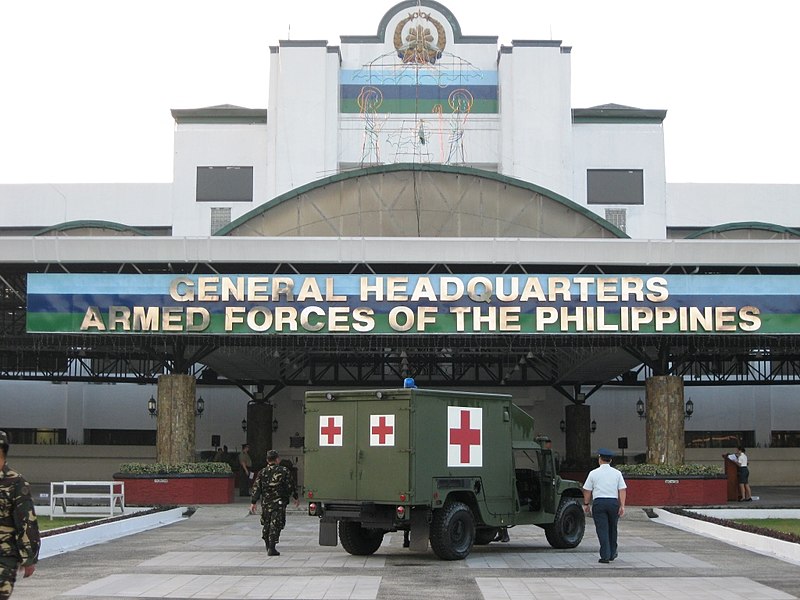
[217,553]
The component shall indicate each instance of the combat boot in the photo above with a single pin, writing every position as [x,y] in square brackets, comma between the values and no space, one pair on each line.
[272,550]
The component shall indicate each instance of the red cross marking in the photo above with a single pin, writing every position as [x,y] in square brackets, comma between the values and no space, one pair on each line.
[382,430]
[330,430]
[465,437]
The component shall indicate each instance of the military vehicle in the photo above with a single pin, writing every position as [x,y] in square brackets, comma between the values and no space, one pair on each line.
[449,467]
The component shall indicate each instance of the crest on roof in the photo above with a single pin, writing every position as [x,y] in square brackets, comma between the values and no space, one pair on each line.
[414,38]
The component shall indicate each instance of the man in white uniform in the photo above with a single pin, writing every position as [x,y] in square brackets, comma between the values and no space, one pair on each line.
[604,496]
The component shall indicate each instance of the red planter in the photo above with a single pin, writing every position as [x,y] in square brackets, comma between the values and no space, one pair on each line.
[676,491]
[149,490]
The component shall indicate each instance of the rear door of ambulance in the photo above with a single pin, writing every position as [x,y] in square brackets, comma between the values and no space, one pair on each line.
[357,445]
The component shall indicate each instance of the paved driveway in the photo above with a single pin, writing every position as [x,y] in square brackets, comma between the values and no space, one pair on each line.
[218,553]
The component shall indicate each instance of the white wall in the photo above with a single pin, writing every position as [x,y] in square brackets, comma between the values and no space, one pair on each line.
[759,408]
[45,205]
[215,145]
[709,204]
[301,123]
[79,406]
[536,116]
[629,146]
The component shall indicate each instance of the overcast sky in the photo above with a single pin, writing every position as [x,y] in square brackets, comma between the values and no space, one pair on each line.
[86,86]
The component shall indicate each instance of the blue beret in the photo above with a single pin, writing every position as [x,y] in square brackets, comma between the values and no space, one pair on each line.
[605,452]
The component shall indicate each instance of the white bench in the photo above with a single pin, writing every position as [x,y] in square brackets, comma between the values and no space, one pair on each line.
[77,495]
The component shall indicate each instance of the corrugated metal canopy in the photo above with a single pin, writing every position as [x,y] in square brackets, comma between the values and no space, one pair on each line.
[406,200]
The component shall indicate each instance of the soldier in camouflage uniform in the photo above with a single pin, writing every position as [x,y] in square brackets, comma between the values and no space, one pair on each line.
[272,486]
[19,532]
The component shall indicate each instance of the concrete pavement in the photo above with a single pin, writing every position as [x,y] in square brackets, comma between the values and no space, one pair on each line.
[218,553]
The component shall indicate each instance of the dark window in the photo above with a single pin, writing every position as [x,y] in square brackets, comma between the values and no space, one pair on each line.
[224,184]
[20,435]
[719,439]
[615,186]
[119,437]
[785,439]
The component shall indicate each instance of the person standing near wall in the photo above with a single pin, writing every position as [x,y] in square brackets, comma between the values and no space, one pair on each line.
[19,531]
[604,498]
[245,470]
[743,474]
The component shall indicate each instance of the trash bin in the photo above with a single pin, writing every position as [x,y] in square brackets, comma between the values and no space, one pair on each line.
[732,475]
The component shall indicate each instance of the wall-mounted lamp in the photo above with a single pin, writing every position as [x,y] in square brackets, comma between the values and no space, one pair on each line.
[274,424]
[640,408]
[152,407]
[244,425]
[593,425]
[563,425]
[688,410]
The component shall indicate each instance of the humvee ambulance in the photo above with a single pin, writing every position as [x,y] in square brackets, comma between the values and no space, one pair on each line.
[449,467]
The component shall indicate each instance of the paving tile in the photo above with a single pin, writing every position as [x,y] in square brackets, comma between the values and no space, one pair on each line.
[301,560]
[614,588]
[345,587]
[221,555]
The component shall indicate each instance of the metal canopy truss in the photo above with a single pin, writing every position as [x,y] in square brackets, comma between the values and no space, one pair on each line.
[271,361]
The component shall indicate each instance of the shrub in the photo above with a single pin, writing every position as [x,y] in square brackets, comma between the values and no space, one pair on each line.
[167,469]
[670,470]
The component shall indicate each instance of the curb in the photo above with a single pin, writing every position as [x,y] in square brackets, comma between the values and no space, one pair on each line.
[780,549]
[60,543]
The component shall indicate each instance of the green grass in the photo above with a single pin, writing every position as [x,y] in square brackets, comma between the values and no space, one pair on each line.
[782,525]
[46,523]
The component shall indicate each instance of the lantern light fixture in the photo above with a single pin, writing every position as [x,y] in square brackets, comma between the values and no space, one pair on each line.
[152,407]
[688,409]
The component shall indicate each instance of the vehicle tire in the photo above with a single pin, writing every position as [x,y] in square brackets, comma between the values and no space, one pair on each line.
[484,535]
[566,531]
[358,540]
[452,531]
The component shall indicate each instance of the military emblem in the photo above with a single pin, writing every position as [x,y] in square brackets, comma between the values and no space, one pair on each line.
[414,40]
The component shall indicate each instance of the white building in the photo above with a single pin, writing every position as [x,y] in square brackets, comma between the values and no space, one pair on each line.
[422,96]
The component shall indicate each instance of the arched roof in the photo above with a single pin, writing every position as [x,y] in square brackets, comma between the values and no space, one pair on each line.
[410,5]
[749,230]
[90,228]
[421,200]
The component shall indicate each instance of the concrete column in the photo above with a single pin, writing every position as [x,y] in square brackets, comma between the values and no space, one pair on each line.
[578,436]
[74,412]
[175,438]
[665,423]
[259,432]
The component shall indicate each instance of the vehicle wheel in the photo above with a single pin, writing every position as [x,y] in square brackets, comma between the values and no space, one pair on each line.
[452,531]
[358,540]
[566,531]
[484,535]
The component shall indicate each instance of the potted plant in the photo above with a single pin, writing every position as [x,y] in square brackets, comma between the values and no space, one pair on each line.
[148,484]
[674,485]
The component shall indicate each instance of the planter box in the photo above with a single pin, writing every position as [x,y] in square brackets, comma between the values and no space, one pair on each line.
[179,488]
[679,490]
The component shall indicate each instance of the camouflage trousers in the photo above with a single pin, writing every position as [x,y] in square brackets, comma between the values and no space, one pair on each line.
[272,521]
[8,575]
